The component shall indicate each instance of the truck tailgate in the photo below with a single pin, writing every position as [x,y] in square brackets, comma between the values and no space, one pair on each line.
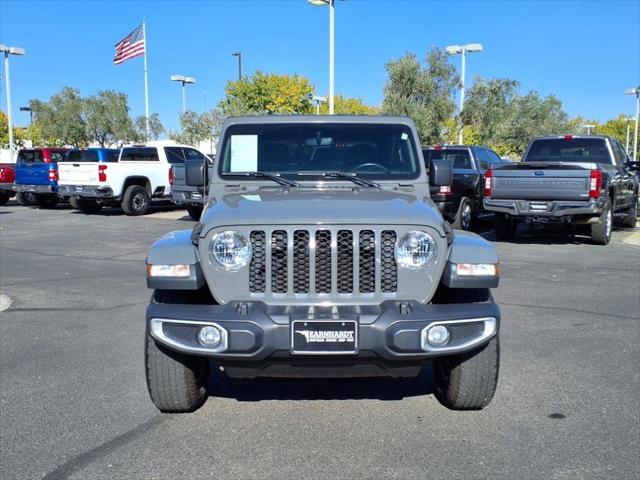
[82,173]
[542,181]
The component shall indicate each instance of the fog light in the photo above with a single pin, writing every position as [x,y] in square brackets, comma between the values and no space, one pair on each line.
[438,335]
[209,337]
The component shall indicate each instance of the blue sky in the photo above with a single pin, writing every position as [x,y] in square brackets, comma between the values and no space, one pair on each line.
[586,52]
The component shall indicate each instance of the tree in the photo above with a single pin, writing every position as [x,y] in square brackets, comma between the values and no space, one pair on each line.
[63,118]
[19,133]
[617,128]
[107,118]
[348,106]
[423,93]
[197,127]
[267,93]
[155,127]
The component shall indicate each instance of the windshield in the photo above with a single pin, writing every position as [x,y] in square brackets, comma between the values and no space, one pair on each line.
[82,156]
[459,156]
[374,151]
[569,150]
[30,156]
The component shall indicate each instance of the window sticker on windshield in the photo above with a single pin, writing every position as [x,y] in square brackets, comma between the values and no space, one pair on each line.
[404,136]
[244,153]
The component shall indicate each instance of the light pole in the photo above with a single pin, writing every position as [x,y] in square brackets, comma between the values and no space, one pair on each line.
[626,144]
[318,100]
[185,81]
[239,55]
[636,92]
[462,50]
[28,109]
[332,34]
[9,51]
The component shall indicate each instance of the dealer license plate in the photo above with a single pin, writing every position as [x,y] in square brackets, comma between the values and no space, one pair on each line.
[324,337]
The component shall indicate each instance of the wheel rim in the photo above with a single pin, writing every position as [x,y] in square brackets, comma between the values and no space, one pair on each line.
[608,221]
[139,201]
[466,216]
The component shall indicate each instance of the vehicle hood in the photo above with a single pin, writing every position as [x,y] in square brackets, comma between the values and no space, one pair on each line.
[326,207]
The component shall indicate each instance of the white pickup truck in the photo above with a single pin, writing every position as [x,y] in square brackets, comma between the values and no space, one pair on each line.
[141,175]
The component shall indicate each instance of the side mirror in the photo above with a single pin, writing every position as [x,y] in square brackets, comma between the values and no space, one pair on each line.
[194,172]
[634,166]
[441,173]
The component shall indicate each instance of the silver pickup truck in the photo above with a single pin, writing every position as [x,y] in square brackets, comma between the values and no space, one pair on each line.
[585,180]
[320,254]
[183,194]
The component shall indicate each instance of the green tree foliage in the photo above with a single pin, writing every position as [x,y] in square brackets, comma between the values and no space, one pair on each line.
[267,93]
[107,118]
[155,127]
[422,92]
[348,106]
[63,118]
[19,133]
[197,127]
[617,128]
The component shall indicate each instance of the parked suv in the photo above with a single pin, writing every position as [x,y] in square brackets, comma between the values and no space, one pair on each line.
[319,253]
[181,193]
[585,180]
[141,175]
[37,176]
[7,178]
[461,202]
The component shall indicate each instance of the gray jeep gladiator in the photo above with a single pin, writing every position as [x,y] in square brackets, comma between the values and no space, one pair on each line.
[320,254]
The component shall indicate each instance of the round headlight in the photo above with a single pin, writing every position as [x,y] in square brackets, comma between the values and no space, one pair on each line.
[230,249]
[415,249]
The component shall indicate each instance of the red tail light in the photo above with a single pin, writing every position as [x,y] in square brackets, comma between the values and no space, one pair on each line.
[170,176]
[488,183]
[595,183]
[445,190]
[102,173]
[53,175]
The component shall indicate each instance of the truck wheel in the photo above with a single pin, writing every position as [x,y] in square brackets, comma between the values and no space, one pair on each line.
[27,199]
[47,201]
[601,230]
[194,211]
[462,220]
[4,198]
[85,206]
[631,218]
[505,228]
[468,381]
[136,200]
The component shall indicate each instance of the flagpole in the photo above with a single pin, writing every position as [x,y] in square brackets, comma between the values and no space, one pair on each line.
[146,79]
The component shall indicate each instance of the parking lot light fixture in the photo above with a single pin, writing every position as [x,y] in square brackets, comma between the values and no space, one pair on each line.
[332,20]
[185,81]
[636,92]
[9,51]
[626,143]
[462,50]
[239,55]
[30,110]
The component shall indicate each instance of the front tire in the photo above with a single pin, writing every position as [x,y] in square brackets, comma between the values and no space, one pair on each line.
[136,200]
[195,211]
[26,199]
[631,217]
[505,228]
[601,230]
[47,200]
[4,198]
[462,220]
[468,381]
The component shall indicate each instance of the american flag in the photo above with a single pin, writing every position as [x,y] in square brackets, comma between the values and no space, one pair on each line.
[130,46]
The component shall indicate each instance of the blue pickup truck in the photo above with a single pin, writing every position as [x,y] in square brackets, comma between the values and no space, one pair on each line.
[37,171]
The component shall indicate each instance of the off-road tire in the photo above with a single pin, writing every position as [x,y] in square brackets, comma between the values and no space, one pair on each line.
[468,381]
[136,200]
[195,211]
[505,228]
[47,200]
[601,230]
[4,198]
[631,218]
[462,220]
[85,206]
[26,199]
[177,383]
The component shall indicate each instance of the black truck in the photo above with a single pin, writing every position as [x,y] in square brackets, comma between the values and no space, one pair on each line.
[583,180]
[461,202]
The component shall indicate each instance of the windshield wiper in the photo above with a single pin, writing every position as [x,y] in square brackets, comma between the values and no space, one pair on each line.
[343,176]
[278,180]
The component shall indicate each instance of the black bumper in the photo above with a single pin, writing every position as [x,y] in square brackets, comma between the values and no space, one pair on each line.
[84,191]
[389,332]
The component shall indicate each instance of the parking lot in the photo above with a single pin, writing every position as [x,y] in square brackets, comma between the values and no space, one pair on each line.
[75,404]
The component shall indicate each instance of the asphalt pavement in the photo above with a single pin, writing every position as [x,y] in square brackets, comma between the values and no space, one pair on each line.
[73,399]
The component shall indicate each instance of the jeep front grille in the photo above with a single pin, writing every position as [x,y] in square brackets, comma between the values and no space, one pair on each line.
[323,261]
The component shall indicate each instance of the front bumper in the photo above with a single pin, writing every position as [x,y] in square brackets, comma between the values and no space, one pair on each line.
[192,198]
[85,191]
[34,188]
[389,332]
[542,209]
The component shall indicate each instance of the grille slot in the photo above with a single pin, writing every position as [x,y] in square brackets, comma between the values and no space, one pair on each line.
[279,262]
[367,265]
[323,261]
[388,267]
[258,266]
[345,261]
[301,261]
